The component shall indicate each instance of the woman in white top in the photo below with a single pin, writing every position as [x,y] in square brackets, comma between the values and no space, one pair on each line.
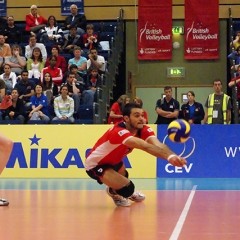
[9,78]
[35,64]
[51,33]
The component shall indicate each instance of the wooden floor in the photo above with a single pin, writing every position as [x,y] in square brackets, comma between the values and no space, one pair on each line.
[80,209]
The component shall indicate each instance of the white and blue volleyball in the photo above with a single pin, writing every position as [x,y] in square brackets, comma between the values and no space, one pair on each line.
[179,131]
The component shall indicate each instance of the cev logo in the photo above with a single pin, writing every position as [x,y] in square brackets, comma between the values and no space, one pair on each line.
[169,168]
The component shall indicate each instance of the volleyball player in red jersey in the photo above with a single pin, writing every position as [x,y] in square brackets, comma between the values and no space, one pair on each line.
[5,151]
[104,162]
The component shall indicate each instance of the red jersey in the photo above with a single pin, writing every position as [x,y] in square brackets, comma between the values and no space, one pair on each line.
[116,109]
[110,148]
[56,74]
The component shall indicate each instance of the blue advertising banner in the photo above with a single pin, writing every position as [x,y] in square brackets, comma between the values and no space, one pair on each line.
[3,8]
[65,6]
[212,151]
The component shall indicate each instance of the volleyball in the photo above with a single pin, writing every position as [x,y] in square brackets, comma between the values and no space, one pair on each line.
[179,131]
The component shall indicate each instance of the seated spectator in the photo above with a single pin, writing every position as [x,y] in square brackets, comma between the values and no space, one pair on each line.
[35,64]
[140,102]
[50,89]
[192,111]
[51,33]
[74,69]
[16,61]
[3,90]
[90,40]
[64,106]
[95,61]
[61,62]
[11,32]
[74,90]
[75,19]
[71,41]
[115,115]
[33,44]
[91,85]
[78,60]
[235,56]
[39,105]
[16,111]
[9,78]
[25,88]
[5,49]
[34,22]
[55,72]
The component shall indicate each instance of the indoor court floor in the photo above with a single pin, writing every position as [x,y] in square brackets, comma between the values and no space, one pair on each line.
[72,209]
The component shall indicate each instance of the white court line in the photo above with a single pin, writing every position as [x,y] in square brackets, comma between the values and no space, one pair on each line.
[181,220]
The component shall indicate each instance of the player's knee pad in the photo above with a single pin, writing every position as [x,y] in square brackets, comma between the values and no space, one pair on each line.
[126,174]
[126,191]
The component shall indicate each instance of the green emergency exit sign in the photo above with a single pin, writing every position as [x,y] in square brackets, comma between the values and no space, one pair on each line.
[176,72]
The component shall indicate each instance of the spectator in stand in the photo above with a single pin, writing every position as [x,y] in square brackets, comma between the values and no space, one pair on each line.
[34,22]
[9,78]
[5,49]
[35,64]
[115,115]
[232,84]
[2,90]
[95,61]
[236,57]
[93,82]
[192,111]
[71,41]
[16,61]
[236,43]
[64,106]
[61,62]
[50,89]
[74,69]
[33,44]
[75,19]
[74,90]
[25,88]
[39,105]
[78,60]
[90,40]
[51,33]
[55,72]
[139,101]
[16,111]
[11,32]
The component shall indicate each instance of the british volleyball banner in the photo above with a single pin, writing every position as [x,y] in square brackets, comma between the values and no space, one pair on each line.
[154,29]
[201,29]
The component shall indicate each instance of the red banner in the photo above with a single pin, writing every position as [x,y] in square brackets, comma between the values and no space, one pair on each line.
[201,29]
[154,29]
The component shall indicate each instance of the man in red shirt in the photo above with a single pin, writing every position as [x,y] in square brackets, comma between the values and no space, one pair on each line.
[104,162]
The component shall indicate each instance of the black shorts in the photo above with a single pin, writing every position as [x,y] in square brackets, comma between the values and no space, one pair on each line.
[98,171]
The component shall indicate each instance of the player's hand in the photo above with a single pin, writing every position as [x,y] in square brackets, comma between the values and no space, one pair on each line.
[177,161]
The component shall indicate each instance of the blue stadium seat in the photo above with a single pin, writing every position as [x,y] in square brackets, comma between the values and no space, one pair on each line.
[85,112]
[36,122]
[108,26]
[10,121]
[106,36]
[83,121]
[67,56]
[60,122]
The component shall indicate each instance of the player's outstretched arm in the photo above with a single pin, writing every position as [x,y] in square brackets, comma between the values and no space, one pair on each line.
[5,150]
[156,149]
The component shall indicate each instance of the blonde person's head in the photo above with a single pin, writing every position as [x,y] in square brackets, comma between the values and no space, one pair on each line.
[123,100]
